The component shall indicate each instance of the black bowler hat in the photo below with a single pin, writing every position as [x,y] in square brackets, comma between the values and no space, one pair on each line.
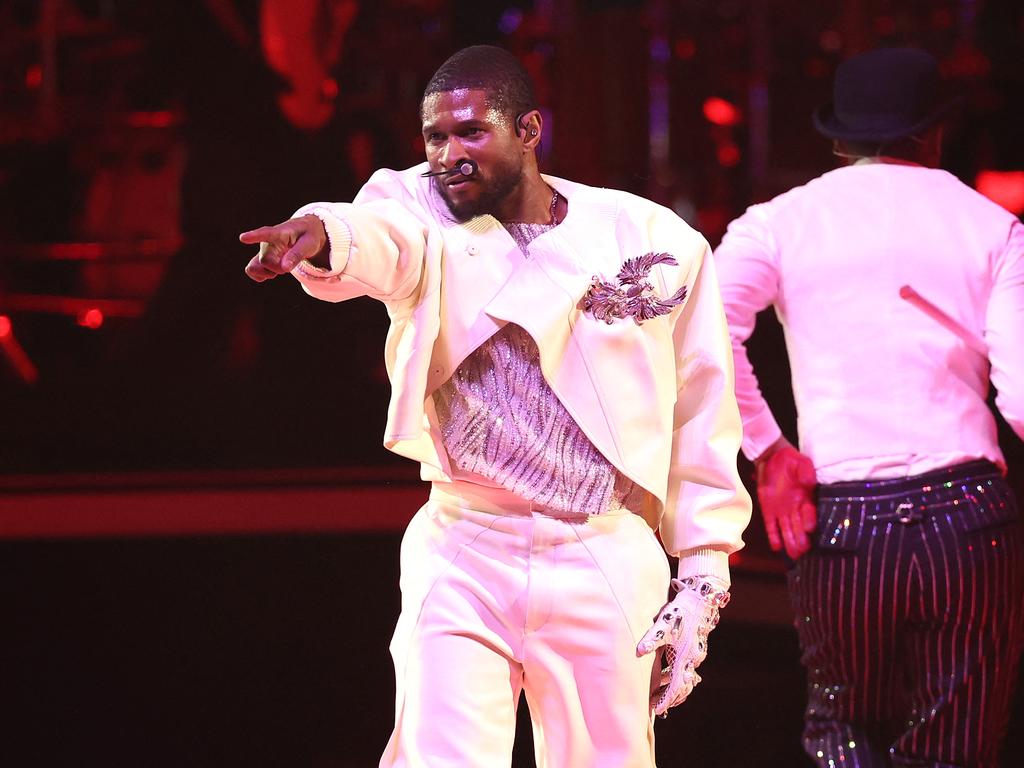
[883,95]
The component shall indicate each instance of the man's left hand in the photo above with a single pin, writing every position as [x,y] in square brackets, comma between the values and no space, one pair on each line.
[679,636]
[785,489]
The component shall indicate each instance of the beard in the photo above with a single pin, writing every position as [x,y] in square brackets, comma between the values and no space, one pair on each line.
[491,193]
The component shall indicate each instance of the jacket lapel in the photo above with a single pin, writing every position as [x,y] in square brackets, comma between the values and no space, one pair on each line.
[613,379]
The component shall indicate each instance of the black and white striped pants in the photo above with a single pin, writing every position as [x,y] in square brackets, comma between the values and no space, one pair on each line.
[909,614]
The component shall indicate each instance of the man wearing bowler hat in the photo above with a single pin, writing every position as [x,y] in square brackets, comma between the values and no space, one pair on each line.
[901,293]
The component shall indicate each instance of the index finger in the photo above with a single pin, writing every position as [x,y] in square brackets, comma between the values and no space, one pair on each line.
[809,515]
[771,529]
[790,537]
[263,235]
[770,519]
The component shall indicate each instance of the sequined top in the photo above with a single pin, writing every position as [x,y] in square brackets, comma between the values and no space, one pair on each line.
[500,421]
[525,233]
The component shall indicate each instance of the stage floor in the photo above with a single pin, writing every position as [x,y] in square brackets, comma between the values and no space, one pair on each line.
[220,623]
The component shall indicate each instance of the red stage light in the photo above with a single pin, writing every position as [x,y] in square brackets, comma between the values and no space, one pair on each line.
[728,155]
[721,112]
[161,118]
[966,61]
[33,77]
[91,318]
[685,48]
[5,326]
[1003,187]
[830,40]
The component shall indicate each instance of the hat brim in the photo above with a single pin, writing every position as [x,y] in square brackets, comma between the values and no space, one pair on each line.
[828,124]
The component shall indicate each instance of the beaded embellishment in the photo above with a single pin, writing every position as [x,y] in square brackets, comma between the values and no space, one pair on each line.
[634,296]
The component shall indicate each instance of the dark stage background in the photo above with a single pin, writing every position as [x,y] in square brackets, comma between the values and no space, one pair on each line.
[198,527]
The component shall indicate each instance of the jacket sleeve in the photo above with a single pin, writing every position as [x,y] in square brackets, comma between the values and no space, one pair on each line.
[377,244]
[707,507]
[1004,330]
[747,266]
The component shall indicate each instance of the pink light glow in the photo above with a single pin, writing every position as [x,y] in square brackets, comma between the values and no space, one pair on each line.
[1003,187]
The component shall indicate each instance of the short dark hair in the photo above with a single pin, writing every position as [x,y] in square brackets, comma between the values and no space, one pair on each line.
[904,148]
[490,69]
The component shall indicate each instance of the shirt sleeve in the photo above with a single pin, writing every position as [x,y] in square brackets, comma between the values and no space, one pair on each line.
[377,245]
[748,273]
[707,507]
[1004,330]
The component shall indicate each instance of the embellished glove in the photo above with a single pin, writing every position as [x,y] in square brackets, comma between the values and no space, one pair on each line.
[680,636]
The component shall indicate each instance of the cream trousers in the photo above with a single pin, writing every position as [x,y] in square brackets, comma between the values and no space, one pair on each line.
[498,599]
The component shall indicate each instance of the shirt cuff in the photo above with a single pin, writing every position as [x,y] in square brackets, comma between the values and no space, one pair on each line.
[704,561]
[759,434]
[339,243]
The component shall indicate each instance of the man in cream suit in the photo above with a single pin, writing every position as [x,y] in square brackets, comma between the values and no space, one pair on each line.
[561,368]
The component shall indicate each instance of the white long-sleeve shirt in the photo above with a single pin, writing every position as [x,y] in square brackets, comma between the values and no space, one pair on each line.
[881,388]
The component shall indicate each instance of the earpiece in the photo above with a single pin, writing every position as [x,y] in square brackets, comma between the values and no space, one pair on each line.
[522,124]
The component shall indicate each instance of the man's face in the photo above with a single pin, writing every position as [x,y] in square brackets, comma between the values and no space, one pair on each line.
[459,125]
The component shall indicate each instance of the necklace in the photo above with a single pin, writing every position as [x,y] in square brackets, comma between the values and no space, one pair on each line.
[524,233]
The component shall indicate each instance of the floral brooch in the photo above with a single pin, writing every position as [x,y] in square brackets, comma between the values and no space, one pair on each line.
[634,296]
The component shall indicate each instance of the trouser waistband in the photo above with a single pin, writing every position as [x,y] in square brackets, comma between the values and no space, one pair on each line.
[899,486]
[499,501]
[967,497]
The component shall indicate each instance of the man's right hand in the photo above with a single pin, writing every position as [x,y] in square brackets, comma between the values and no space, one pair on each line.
[284,246]
[785,488]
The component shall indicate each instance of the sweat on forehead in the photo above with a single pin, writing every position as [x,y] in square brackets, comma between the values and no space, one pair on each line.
[462,105]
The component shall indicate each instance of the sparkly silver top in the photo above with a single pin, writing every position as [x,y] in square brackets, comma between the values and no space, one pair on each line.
[501,422]
[525,233]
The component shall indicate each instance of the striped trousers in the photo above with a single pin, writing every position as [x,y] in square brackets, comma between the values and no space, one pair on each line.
[909,613]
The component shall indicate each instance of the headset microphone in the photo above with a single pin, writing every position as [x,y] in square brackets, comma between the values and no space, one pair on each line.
[465,168]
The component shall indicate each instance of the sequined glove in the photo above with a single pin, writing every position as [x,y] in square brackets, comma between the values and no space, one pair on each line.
[680,637]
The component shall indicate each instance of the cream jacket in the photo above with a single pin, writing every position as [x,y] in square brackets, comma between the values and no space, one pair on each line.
[655,398]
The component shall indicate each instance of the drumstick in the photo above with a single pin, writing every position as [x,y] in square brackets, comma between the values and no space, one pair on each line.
[972,340]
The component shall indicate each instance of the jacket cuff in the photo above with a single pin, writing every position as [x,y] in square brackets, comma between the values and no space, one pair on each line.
[339,243]
[704,561]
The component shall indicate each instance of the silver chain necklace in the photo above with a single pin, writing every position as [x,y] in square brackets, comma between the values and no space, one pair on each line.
[524,233]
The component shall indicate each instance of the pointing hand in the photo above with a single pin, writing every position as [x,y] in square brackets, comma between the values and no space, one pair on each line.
[284,246]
